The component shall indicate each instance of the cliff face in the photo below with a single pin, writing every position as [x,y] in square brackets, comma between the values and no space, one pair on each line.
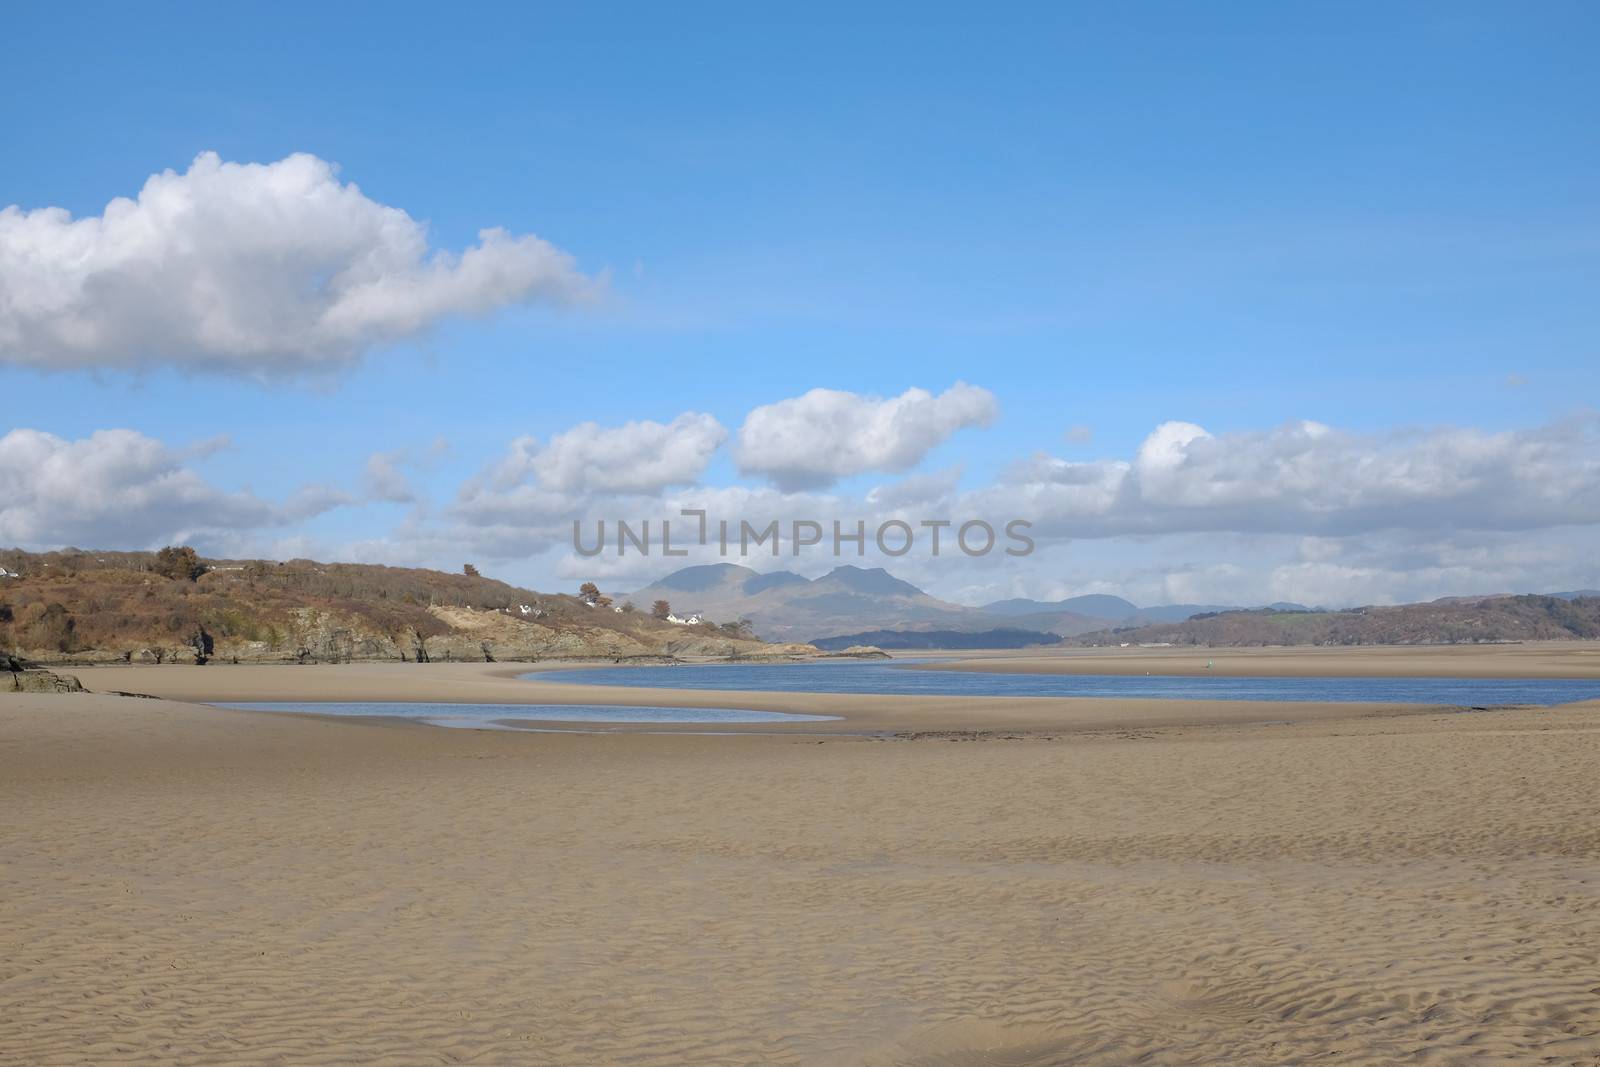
[78,607]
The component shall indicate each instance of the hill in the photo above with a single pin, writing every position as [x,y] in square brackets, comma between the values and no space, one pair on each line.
[84,607]
[1456,620]
[1073,613]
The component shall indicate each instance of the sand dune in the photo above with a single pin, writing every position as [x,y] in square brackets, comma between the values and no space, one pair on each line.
[182,885]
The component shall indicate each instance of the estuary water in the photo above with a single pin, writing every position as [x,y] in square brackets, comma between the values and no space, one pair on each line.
[907,680]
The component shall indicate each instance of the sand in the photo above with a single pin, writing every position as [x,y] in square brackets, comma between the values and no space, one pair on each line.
[1534,659]
[187,885]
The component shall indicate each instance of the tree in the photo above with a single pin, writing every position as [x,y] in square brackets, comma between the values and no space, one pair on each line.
[470,571]
[627,607]
[180,563]
[743,629]
[661,609]
[588,592]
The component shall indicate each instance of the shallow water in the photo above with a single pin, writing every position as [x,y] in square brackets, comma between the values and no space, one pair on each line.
[490,716]
[904,680]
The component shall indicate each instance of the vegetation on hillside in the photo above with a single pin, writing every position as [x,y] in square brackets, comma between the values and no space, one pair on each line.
[171,605]
[1457,620]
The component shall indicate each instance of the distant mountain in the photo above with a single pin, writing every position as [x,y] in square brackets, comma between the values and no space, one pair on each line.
[773,580]
[1454,620]
[845,600]
[849,601]
[1178,612]
[874,581]
[703,579]
[1094,605]
[999,637]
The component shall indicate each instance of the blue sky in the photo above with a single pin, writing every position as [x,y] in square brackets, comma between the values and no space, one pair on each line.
[1378,218]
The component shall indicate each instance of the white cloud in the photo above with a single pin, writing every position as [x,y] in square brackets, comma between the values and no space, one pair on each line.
[384,480]
[526,501]
[1301,512]
[812,441]
[247,268]
[119,488]
[1306,478]
[635,457]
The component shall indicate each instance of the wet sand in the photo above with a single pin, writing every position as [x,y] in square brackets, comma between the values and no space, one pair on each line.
[194,886]
[1541,659]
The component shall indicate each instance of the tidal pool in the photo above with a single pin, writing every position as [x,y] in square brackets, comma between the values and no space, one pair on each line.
[905,679]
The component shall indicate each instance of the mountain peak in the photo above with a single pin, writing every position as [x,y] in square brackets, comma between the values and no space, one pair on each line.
[706,576]
[869,580]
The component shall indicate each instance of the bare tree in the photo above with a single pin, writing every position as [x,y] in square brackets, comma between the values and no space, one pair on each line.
[661,609]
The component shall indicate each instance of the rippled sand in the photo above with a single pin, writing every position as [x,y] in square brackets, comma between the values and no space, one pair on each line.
[180,885]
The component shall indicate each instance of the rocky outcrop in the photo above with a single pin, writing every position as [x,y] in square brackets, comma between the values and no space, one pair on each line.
[41,681]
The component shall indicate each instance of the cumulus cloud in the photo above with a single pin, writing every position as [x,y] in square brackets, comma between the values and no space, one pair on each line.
[812,441]
[1302,511]
[635,457]
[248,268]
[119,488]
[529,497]
[1307,478]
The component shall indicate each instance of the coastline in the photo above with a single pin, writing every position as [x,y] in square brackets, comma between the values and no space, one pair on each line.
[499,683]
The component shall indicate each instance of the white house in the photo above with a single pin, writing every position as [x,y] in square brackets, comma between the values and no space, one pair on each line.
[693,620]
[8,574]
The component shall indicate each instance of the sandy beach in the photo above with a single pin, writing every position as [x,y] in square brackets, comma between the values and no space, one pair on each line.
[1066,882]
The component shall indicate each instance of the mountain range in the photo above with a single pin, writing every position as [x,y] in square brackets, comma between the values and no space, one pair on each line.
[850,600]
[859,605]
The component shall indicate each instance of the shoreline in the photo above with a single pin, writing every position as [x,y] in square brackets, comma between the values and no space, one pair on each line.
[499,683]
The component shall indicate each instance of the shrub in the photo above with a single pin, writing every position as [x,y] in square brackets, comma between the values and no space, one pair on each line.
[180,563]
